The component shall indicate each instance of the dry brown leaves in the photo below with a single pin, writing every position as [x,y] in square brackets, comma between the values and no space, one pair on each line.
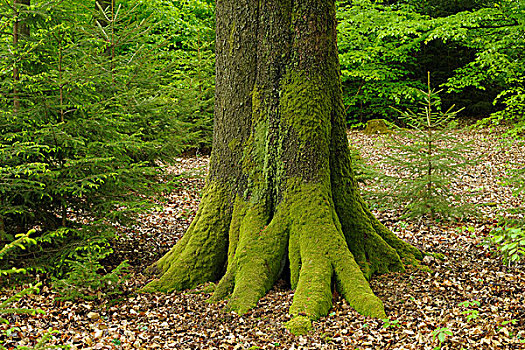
[417,302]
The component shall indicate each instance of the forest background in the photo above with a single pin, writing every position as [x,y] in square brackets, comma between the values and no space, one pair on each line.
[95,102]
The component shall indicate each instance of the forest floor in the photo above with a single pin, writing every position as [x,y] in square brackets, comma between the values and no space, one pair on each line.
[419,303]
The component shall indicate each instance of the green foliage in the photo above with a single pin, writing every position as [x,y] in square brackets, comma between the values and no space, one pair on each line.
[513,98]
[188,26]
[428,157]
[387,323]
[509,242]
[376,44]
[86,278]
[21,241]
[94,108]
[473,48]
[471,314]
[495,32]
[440,334]
[444,8]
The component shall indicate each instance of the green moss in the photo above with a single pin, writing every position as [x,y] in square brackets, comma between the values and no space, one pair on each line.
[408,253]
[234,144]
[324,255]
[224,287]
[255,155]
[376,249]
[207,288]
[239,212]
[438,256]
[200,255]
[294,257]
[305,106]
[258,257]
[256,104]
[231,38]
[299,325]
[376,126]
[255,255]
[424,268]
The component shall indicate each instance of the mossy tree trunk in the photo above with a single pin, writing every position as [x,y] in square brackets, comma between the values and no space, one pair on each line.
[281,189]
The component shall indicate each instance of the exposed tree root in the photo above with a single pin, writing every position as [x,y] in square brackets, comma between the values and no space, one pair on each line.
[306,230]
[200,255]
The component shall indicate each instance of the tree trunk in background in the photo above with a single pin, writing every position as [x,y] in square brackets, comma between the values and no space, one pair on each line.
[20,32]
[281,192]
[105,10]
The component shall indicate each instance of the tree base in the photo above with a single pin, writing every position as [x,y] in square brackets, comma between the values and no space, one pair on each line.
[248,250]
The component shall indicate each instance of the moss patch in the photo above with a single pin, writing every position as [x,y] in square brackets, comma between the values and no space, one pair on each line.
[324,255]
[376,126]
[200,255]
[299,325]
[255,257]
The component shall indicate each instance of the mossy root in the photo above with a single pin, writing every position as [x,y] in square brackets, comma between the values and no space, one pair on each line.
[200,255]
[305,228]
[257,260]
[299,325]
[323,255]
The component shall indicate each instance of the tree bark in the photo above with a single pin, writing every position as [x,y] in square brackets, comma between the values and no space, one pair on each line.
[104,10]
[281,191]
[20,31]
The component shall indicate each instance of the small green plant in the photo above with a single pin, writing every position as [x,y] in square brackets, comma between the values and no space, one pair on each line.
[505,323]
[21,241]
[469,229]
[511,334]
[402,224]
[471,314]
[87,280]
[440,334]
[427,158]
[509,242]
[326,337]
[388,323]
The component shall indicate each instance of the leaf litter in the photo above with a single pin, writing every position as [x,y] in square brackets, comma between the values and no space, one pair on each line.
[418,303]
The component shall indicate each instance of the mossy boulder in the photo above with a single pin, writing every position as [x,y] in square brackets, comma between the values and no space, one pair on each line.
[376,126]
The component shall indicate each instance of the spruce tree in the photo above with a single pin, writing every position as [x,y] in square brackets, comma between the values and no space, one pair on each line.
[83,122]
[428,156]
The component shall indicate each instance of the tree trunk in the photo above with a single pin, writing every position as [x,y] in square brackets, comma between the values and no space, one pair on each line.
[281,191]
[104,10]
[20,31]
[105,13]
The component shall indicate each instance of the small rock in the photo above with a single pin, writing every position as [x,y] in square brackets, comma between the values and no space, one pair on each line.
[428,259]
[93,315]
